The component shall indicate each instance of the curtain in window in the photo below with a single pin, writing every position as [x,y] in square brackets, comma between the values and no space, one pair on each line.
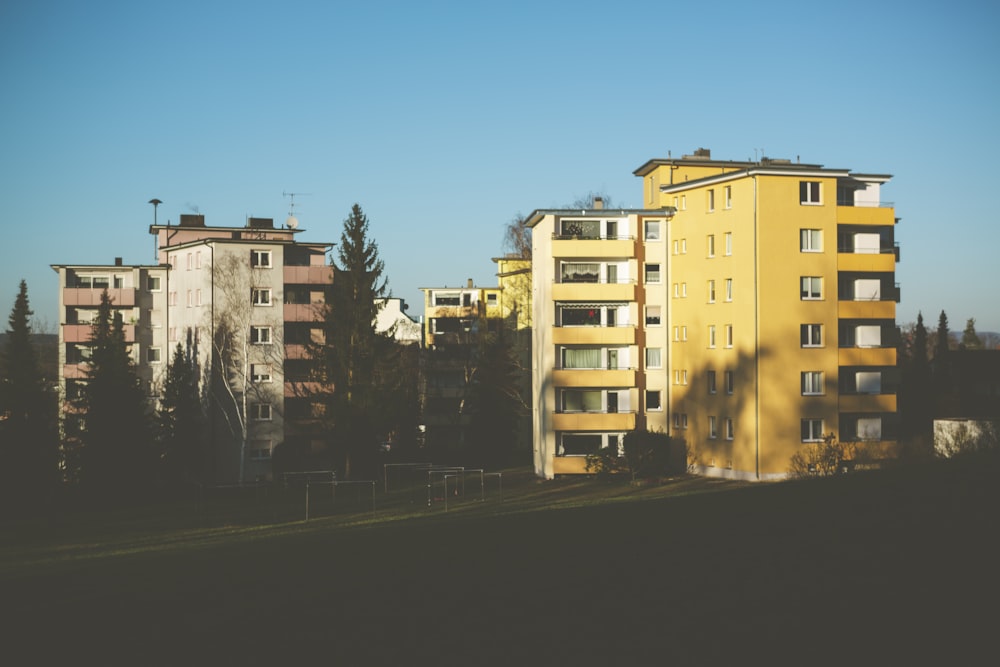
[580,273]
[582,401]
[866,289]
[868,336]
[582,358]
[870,428]
[653,357]
[869,382]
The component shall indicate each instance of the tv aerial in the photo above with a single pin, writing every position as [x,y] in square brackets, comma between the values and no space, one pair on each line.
[292,222]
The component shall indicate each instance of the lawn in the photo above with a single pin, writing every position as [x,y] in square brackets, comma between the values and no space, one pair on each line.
[880,567]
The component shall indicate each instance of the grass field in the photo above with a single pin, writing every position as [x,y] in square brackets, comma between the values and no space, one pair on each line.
[884,567]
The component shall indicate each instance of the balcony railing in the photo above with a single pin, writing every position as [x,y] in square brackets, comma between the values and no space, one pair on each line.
[865,204]
[884,250]
[591,237]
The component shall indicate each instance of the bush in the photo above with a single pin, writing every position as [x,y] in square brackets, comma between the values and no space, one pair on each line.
[642,454]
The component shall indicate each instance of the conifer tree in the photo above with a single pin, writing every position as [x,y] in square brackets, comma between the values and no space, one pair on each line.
[116,453]
[350,355]
[28,440]
[181,420]
[970,340]
[942,370]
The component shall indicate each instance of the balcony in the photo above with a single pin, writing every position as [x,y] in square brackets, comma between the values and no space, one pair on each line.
[89,296]
[593,421]
[883,310]
[569,465]
[81,333]
[303,312]
[596,247]
[75,371]
[866,215]
[866,356]
[308,275]
[867,402]
[884,261]
[598,377]
[620,335]
[581,291]
[305,388]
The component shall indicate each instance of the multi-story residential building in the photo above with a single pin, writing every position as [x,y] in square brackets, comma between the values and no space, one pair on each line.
[251,294]
[760,310]
[600,331]
[454,319]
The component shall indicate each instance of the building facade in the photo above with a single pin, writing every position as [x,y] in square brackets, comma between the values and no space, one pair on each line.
[754,304]
[244,303]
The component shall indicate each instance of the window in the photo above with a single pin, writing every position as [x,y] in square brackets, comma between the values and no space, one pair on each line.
[654,358]
[652,230]
[260,411]
[684,202]
[584,229]
[190,262]
[491,299]
[677,376]
[260,335]
[677,290]
[684,333]
[729,289]
[581,317]
[652,316]
[260,372]
[711,382]
[711,200]
[153,355]
[260,259]
[172,297]
[869,428]
[812,288]
[729,196]
[868,382]
[652,274]
[711,291]
[653,402]
[677,333]
[261,296]
[190,298]
[676,246]
[684,290]
[588,358]
[809,192]
[812,383]
[684,377]
[811,240]
[711,335]
[729,335]
[583,400]
[711,245]
[730,380]
[578,272]
[677,420]
[812,430]
[811,335]
[260,450]
[713,430]
[684,420]
[730,429]
[684,246]
[580,444]
[197,297]
[172,334]
[153,283]
[197,259]
[729,243]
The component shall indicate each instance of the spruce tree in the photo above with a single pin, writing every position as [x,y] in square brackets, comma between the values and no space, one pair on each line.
[28,439]
[351,351]
[181,421]
[116,453]
[970,340]
[942,364]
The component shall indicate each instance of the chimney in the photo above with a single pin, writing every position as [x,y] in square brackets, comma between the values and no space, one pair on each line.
[192,220]
[118,261]
[598,203]
[469,283]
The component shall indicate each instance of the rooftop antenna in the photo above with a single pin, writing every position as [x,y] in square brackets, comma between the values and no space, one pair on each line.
[292,222]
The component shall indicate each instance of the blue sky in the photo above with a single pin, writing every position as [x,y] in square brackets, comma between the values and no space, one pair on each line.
[445,119]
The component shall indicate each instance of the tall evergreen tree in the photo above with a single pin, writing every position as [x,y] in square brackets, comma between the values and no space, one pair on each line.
[351,351]
[181,420]
[970,340]
[942,365]
[116,453]
[495,401]
[28,439]
[915,393]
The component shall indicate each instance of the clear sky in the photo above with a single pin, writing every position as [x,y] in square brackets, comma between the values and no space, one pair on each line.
[445,119]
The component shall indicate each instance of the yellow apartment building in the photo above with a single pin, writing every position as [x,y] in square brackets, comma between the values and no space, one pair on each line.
[781,312]
[599,352]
